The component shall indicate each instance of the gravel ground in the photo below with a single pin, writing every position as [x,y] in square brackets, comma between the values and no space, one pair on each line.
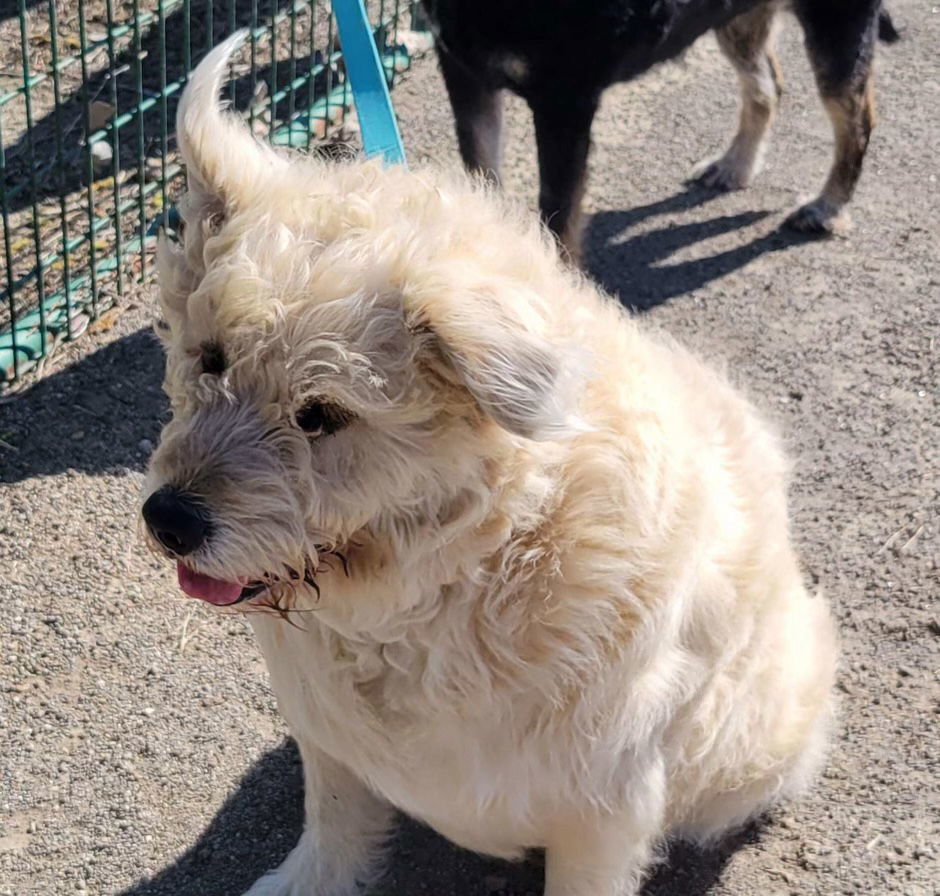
[140,749]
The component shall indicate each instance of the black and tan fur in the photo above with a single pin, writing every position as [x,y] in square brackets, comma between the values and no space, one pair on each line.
[560,55]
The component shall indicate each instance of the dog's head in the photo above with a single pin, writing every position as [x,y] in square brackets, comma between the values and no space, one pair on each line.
[350,349]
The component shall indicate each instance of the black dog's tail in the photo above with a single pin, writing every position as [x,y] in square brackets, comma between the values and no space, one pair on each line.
[886,30]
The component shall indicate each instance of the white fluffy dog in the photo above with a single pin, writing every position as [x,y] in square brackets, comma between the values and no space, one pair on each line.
[518,569]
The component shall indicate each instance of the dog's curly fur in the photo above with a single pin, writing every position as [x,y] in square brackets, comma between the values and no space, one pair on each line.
[571,616]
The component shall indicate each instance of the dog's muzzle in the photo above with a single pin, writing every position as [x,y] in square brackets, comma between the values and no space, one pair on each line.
[180,523]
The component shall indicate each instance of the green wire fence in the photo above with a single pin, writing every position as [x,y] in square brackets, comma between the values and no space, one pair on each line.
[88,163]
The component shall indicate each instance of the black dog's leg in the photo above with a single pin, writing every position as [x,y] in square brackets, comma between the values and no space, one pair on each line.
[478,113]
[840,40]
[747,41]
[563,135]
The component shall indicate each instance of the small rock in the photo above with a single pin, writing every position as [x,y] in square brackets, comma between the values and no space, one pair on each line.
[145,446]
[818,856]
[101,157]
[416,42]
[99,114]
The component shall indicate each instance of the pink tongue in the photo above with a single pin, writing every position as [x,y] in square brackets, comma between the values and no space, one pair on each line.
[214,591]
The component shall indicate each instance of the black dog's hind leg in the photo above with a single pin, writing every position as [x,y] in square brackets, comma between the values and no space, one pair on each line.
[840,40]
[478,114]
[563,137]
[747,41]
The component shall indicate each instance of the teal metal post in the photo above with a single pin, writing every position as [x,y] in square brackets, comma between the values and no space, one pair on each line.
[380,135]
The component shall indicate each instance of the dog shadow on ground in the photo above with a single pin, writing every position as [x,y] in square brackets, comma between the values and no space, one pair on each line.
[630,266]
[252,832]
[99,415]
[262,819]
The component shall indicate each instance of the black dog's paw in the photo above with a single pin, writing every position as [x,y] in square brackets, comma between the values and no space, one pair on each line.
[818,218]
[887,32]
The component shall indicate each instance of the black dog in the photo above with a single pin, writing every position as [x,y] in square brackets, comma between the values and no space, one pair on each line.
[560,55]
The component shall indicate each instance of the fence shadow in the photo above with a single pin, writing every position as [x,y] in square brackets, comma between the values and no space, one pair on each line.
[9,9]
[37,151]
[95,416]
[260,822]
[630,266]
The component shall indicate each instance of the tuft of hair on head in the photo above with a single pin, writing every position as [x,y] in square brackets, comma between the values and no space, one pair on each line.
[224,162]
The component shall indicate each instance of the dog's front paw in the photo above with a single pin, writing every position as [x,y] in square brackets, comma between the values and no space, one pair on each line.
[818,218]
[298,875]
[728,172]
[275,883]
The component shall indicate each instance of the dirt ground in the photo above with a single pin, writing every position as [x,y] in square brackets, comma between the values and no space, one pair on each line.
[140,749]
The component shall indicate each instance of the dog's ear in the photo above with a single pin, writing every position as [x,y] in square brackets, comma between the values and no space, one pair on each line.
[522,380]
[224,162]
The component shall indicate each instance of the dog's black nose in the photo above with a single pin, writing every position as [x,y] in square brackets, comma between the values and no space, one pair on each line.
[177,521]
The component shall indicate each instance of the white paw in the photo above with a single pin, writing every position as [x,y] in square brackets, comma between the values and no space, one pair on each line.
[290,881]
[274,883]
[728,172]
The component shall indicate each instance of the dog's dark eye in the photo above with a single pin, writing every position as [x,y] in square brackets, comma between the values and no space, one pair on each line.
[213,358]
[318,418]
